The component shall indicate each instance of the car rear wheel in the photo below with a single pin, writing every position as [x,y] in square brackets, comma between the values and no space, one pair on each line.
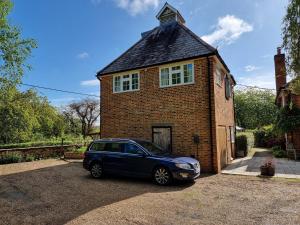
[96,170]
[162,176]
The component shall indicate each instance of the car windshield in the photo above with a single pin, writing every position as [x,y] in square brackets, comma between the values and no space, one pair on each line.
[152,148]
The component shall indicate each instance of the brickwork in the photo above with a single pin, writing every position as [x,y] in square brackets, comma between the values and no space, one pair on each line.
[185,108]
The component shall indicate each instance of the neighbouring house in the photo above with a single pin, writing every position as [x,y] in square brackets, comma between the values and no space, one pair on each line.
[285,96]
[174,89]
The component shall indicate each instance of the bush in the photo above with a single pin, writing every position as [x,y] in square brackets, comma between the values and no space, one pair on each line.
[29,158]
[242,145]
[278,152]
[267,137]
[11,158]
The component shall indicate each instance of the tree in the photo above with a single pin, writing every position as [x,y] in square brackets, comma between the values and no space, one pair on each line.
[291,41]
[255,108]
[88,111]
[13,49]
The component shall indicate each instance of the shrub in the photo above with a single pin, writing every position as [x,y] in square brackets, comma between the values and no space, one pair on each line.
[278,152]
[241,143]
[267,137]
[11,158]
[29,158]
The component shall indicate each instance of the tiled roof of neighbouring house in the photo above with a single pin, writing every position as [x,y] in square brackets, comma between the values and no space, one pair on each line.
[166,43]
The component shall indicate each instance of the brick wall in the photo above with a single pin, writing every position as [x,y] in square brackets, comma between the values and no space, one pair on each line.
[185,108]
[224,117]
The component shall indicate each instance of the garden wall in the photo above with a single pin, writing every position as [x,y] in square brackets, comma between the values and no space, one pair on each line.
[40,152]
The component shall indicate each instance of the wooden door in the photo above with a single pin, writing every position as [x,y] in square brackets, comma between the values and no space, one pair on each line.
[162,136]
[222,145]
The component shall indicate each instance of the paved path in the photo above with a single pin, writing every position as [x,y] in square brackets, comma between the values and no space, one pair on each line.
[251,165]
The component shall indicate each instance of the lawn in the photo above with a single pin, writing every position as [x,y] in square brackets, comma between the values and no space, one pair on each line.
[59,192]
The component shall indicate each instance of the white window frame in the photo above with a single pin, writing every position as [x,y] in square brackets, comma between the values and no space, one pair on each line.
[181,64]
[130,73]
[219,81]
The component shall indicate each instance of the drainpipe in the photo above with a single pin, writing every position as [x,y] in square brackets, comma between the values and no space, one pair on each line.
[210,116]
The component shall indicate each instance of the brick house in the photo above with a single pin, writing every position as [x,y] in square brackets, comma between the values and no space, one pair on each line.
[174,89]
[285,96]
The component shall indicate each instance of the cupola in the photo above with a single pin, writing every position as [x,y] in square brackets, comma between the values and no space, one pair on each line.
[169,14]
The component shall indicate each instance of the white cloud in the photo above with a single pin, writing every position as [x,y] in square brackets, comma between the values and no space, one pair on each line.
[251,68]
[263,80]
[83,55]
[135,7]
[228,30]
[90,82]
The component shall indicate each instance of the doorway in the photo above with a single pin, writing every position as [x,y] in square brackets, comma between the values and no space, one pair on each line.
[162,136]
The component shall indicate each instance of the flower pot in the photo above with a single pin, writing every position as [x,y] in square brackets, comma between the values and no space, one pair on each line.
[267,171]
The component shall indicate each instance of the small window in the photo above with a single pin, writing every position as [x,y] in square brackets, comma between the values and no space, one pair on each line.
[177,75]
[219,76]
[128,82]
[98,147]
[133,149]
[113,147]
[228,90]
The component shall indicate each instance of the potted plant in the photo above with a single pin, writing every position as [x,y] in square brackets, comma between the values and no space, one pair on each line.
[268,168]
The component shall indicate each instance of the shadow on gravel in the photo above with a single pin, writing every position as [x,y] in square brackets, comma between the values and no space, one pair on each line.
[58,194]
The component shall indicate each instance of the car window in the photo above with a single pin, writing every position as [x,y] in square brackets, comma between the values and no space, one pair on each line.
[113,147]
[99,147]
[132,149]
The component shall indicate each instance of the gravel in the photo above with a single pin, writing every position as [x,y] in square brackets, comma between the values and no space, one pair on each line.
[59,192]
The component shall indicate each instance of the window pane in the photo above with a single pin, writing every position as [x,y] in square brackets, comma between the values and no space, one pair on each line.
[176,78]
[117,84]
[164,79]
[135,81]
[188,73]
[132,149]
[113,147]
[126,85]
[97,147]
[174,68]
[219,77]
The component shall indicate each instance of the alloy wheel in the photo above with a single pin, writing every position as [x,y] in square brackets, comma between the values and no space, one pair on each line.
[96,170]
[162,176]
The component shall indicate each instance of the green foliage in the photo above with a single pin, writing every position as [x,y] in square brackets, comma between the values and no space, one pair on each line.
[10,158]
[29,158]
[255,108]
[267,137]
[291,37]
[288,119]
[13,49]
[242,143]
[278,152]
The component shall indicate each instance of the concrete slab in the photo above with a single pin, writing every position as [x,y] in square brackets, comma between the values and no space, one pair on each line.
[250,166]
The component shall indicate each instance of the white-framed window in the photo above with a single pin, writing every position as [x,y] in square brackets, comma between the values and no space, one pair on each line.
[177,74]
[219,76]
[126,82]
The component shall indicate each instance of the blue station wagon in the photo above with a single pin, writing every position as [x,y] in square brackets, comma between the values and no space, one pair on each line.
[138,158]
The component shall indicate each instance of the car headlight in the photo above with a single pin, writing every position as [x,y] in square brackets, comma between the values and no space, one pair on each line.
[183,166]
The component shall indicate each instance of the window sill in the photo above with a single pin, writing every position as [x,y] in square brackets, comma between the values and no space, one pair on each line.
[176,85]
[120,92]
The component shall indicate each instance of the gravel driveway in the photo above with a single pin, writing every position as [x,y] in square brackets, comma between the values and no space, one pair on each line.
[58,192]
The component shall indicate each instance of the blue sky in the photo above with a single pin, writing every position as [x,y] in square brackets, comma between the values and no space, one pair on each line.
[76,38]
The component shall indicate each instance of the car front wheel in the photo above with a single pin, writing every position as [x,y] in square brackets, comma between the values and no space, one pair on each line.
[96,170]
[162,176]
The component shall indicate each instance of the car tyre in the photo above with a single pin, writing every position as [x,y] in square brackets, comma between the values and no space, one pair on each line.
[162,176]
[96,170]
